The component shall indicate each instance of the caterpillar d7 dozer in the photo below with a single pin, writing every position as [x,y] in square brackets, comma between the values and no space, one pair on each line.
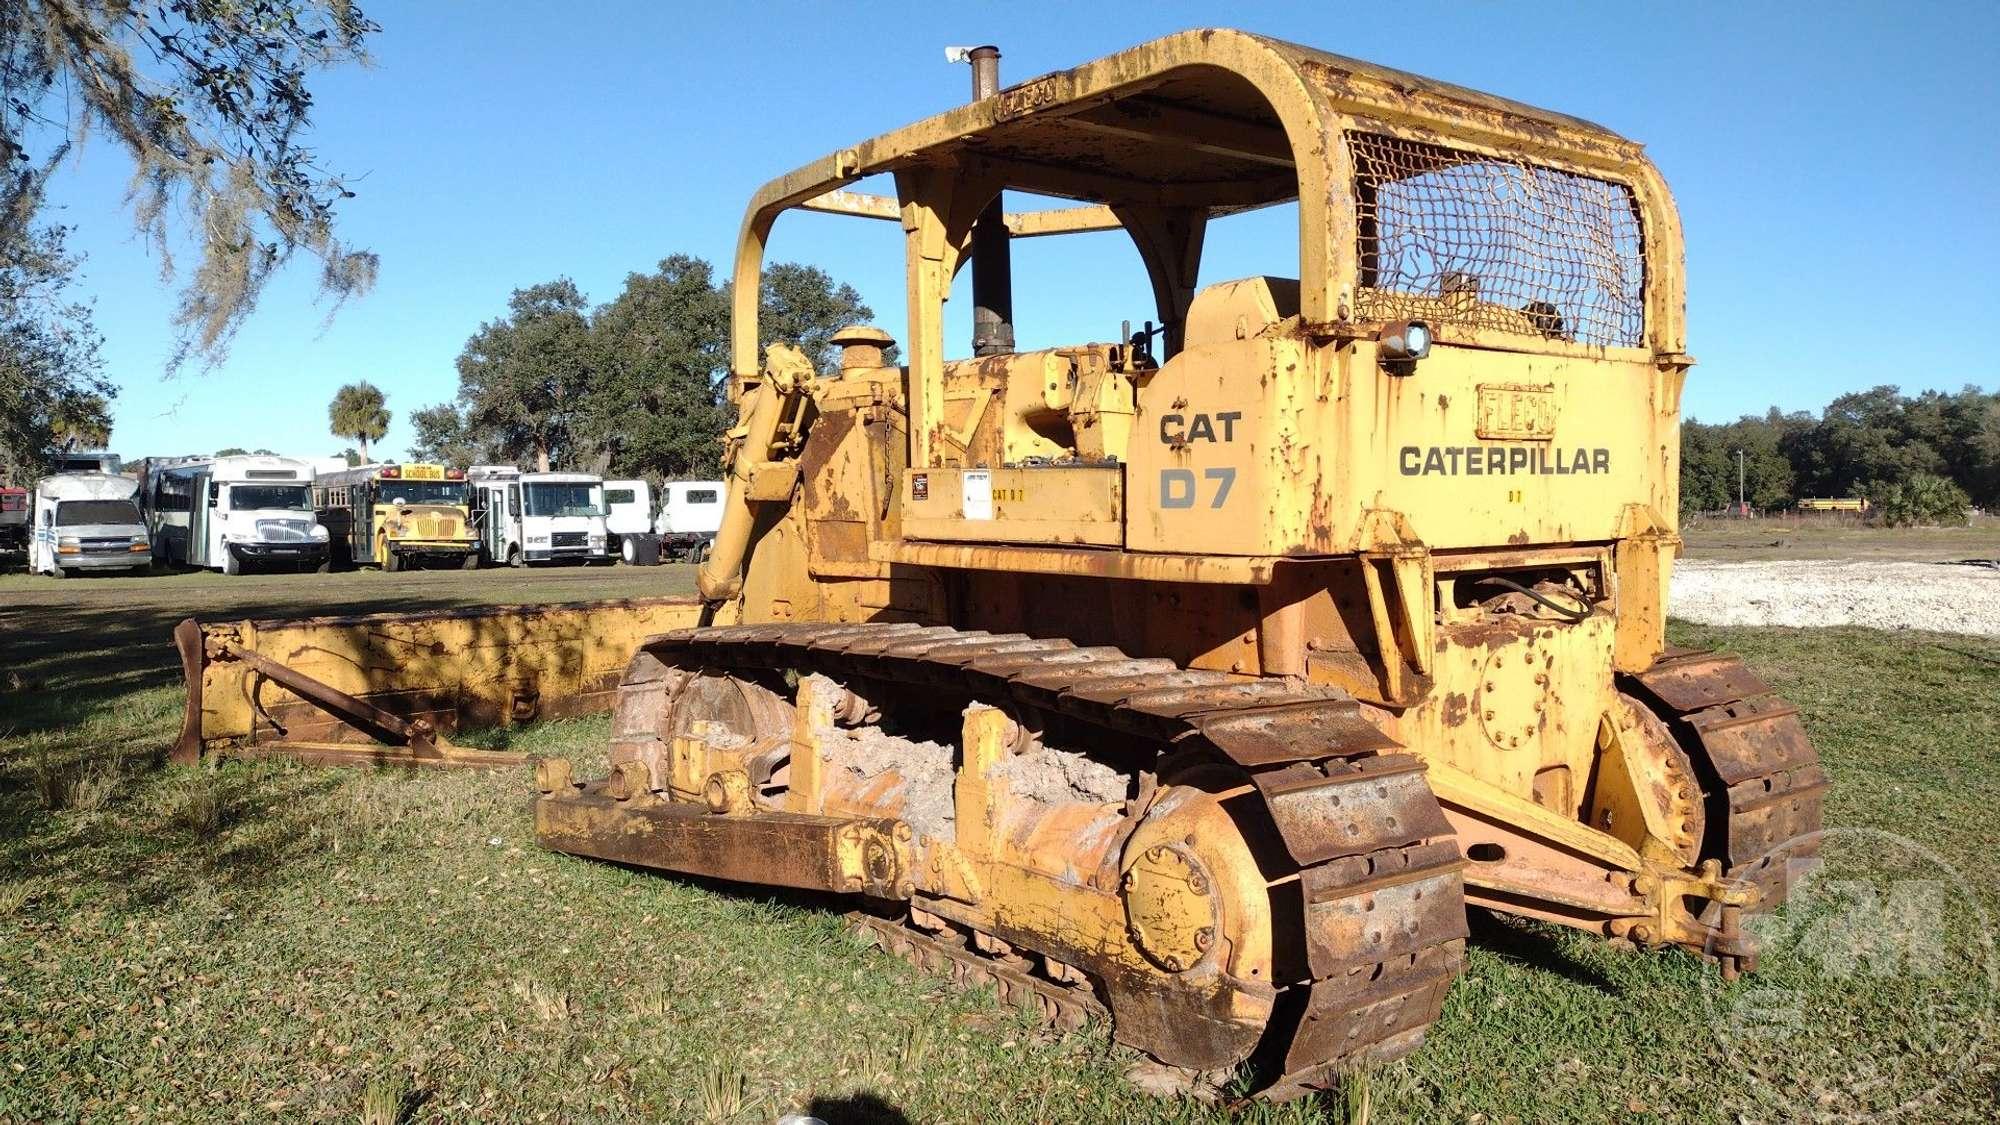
[1203,679]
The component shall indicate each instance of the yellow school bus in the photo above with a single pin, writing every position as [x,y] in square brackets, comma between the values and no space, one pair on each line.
[397,516]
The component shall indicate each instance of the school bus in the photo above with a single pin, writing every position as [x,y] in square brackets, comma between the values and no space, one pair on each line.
[397,516]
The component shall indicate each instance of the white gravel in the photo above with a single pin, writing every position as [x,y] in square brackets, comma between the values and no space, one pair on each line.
[1939,597]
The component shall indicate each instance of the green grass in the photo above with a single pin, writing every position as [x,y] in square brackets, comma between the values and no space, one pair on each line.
[265,941]
[1838,537]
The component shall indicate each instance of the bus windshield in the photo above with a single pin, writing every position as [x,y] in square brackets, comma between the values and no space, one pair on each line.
[420,492]
[269,497]
[580,498]
[85,513]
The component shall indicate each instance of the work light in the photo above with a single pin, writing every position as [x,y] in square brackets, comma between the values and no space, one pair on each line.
[1404,341]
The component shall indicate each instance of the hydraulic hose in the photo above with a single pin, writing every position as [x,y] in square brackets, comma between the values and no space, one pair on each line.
[1573,616]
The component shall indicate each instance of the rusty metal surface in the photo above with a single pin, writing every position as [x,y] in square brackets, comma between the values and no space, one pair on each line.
[1065,1006]
[1688,681]
[1202,118]
[772,848]
[1375,803]
[410,741]
[1373,898]
[1768,813]
[383,676]
[357,713]
[434,756]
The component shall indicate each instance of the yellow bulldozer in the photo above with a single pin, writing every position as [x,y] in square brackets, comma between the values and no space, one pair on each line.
[1202,679]
[1205,677]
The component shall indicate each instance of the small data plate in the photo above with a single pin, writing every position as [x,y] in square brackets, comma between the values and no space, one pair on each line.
[1516,412]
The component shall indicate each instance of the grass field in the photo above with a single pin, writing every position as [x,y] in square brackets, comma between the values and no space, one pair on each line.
[1725,540]
[265,942]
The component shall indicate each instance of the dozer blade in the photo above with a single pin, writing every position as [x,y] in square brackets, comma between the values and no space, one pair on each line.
[387,689]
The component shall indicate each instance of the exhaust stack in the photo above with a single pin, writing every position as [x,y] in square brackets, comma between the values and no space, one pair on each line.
[992,261]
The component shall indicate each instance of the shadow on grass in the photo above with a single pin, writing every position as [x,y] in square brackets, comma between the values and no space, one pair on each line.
[856,1109]
[1534,946]
[59,664]
[152,846]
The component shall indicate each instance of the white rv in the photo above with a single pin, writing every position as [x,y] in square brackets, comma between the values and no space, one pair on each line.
[87,521]
[538,517]
[628,512]
[87,461]
[690,515]
[234,513]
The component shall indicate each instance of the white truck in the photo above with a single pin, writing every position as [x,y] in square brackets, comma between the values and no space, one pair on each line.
[234,514]
[629,516]
[690,515]
[538,517]
[87,522]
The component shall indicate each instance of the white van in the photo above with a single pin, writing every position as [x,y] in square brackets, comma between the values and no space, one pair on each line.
[234,514]
[690,515]
[87,521]
[629,512]
[538,517]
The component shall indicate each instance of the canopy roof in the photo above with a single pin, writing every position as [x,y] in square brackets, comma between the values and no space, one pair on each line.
[1205,122]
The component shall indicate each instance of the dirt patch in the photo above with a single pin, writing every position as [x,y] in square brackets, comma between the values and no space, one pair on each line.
[926,769]
[1936,597]
[1055,776]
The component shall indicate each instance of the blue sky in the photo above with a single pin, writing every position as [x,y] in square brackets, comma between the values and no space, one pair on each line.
[1836,166]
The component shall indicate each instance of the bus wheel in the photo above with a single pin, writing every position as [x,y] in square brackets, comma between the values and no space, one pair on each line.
[231,565]
[391,561]
[470,561]
[514,558]
[325,566]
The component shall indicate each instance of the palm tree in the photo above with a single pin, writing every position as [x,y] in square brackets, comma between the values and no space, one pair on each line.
[360,411]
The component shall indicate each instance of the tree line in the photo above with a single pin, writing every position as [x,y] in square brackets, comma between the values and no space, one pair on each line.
[1934,451]
[633,387]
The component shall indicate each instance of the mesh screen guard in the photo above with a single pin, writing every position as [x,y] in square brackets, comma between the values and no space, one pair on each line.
[1457,237]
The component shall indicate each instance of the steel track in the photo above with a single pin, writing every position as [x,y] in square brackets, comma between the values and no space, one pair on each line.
[1362,867]
[1764,781]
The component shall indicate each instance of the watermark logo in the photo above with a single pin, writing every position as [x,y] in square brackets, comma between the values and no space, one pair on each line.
[1877,993]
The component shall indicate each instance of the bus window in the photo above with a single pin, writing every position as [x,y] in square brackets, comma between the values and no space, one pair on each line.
[420,492]
[284,497]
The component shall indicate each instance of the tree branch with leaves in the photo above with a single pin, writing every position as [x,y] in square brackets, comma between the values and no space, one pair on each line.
[210,99]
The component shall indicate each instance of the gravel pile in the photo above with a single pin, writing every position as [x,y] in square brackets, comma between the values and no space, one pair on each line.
[1937,597]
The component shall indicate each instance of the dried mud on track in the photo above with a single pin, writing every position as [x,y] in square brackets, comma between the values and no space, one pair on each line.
[1935,597]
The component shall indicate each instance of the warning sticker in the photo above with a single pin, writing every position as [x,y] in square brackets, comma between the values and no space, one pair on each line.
[976,502]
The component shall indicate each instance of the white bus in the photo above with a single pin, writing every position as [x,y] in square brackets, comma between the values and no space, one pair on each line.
[538,517]
[87,521]
[234,513]
[690,515]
